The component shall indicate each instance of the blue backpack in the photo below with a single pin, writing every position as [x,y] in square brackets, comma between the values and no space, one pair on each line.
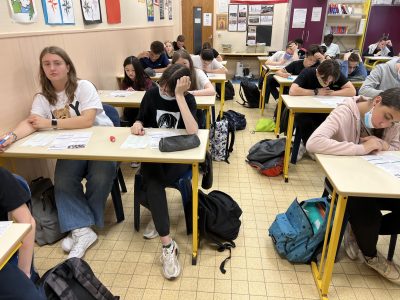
[299,233]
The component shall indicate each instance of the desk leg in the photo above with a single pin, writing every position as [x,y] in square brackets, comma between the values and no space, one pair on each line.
[195,206]
[222,99]
[287,146]
[278,112]
[261,103]
[208,121]
[323,275]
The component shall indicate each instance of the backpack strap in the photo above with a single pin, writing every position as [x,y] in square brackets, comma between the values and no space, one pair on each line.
[242,96]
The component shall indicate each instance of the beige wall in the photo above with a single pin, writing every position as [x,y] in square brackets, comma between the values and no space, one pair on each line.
[238,39]
[97,51]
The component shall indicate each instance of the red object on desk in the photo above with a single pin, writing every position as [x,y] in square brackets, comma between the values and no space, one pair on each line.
[112,138]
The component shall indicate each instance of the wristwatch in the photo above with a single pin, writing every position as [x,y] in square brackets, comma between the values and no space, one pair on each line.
[54,123]
[315,92]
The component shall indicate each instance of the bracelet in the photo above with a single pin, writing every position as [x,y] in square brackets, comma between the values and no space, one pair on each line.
[13,135]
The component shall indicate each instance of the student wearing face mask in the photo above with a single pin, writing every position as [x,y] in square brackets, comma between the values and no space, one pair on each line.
[166,106]
[382,77]
[283,58]
[325,80]
[359,126]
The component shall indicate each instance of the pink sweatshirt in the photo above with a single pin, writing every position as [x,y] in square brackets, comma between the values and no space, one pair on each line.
[339,134]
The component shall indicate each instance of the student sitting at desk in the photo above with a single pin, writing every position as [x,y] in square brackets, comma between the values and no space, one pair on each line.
[382,77]
[312,59]
[207,45]
[168,106]
[68,103]
[283,58]
[352,67]
[332,49]
[135,79]
[383,47]
[325,80]
[155,58]
[206,62]
[200,85]
[15,280]
[179,44]
[169,49]
[361,126]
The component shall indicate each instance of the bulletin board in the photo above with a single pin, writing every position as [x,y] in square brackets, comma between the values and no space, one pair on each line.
[260,20]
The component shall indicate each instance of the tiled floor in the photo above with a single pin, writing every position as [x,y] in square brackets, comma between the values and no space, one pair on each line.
[129,265]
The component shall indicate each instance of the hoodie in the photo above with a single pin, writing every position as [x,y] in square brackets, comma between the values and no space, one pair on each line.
[339,134]
[382,77]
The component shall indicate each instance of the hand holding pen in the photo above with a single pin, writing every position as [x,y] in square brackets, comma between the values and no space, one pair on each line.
[7,140]
[137,128]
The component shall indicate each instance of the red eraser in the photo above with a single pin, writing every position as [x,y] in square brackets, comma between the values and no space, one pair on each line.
[112,138]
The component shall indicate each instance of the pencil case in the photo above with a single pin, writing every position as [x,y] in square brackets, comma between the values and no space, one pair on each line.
[179,142]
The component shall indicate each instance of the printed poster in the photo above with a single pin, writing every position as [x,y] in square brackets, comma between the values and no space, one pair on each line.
[162,9]
[233,17]
[169,9]
[150,10]
[23,11]
[242,18]
[91,12]
[59,12]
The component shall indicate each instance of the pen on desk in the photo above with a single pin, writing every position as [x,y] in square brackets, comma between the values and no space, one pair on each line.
[5,139]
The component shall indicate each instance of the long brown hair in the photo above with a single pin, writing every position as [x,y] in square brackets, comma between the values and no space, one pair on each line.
[48,90]
[185,55]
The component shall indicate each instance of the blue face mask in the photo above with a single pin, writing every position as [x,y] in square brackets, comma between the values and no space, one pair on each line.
[164,96]
[368,119]
[287,56]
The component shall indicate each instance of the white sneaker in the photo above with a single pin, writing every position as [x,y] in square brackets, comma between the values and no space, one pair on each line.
[150,232]
[350,243]
[135,164]
[67,243]
[387,269]
[302,151]
[170,263]
[82,238]
[311,155]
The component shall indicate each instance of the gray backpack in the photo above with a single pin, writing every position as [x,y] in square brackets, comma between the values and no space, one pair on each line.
[44,211]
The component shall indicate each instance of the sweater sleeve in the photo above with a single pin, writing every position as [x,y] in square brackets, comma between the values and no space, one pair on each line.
[392,136]
[322,141]
[370,87]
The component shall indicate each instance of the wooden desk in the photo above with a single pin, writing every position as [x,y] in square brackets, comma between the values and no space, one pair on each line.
[370,62]
[100,148]
[261,61]
[349,176]
[283,82]
[247,58]
[135,98]
[10,241]
[120,77]
[300,104]
[357,84]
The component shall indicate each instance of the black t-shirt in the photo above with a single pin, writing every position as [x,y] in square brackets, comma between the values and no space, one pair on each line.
[307,79]
[12,194]
[155,112]
[295,67]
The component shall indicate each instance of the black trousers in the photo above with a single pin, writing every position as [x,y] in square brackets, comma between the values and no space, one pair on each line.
[156,177]
[271,88]
[306,123]
[367,221]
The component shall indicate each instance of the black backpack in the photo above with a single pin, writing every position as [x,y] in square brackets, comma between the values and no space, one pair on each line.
[219,221]
[251,96]
[73,279]
[229,90]
[236,119]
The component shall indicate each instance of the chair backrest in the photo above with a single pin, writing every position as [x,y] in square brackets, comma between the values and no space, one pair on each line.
[112,113]
[23,183]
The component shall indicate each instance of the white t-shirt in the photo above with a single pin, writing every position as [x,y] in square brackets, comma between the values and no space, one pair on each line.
[332,50]
[86,97]
[197,63]
[201,79]
[279,55]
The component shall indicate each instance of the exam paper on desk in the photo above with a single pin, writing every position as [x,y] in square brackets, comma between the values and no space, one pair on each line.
[143,141]
[4,225]
[121,93]
[70,141]
[39,140]
[387,162]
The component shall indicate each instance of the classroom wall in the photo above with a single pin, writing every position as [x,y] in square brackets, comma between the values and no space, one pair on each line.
[97,51]
[238,39]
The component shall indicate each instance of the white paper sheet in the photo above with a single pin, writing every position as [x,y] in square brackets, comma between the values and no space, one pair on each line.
[121,93]
[70,141]
[156,136]
[4,225]
[316,14]
[39,140]
[299,18]
[135,142]
[387,162]
[330,100]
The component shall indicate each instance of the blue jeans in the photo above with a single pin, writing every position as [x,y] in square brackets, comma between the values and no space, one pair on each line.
[78,208]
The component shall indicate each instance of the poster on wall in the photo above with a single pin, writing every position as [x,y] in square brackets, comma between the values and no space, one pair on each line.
[91,12]
[223,6]
[23,11]
[113,10]
[251,35]
[169,9]
[60,12]
[150,10]
[242,18]
[162,8]
[267,12]
[222,20]
[233,17]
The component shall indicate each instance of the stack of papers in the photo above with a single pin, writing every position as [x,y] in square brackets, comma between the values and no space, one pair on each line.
[70,141]
[387,162]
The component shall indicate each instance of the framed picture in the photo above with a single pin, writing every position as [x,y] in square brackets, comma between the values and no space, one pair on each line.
[23,11]
[60,12]
[222,20]
[91,12]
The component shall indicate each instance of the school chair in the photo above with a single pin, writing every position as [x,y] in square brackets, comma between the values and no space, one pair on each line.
[393,237]
[183,184]
[112,113]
